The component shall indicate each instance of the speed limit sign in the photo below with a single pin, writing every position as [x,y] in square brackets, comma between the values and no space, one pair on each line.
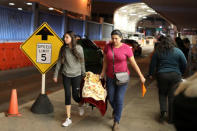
[43,47]
[43,53]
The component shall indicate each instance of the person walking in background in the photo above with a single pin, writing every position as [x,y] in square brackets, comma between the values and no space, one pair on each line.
[169,63]
[188,55]
[182,46]
[122,53]
[71,62]
[186,44]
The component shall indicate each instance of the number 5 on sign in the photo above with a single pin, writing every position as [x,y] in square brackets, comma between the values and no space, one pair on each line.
[43,53]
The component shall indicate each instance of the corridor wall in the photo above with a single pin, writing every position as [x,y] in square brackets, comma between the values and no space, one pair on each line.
[76,26]
[14,25]
[106,32]
[54,21]
[93,30]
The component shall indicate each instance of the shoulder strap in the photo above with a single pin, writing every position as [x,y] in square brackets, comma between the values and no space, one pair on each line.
[113,57]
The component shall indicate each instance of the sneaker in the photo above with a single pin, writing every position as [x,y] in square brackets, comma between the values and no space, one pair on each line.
[162,116]
[67,122]
[115,127]
[170,121]
[81,111]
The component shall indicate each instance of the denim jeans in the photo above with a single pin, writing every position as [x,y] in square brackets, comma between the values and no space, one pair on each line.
[116,97]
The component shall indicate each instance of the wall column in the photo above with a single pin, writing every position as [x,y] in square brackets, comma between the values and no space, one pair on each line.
[64,22]
[85,27]
[35,17]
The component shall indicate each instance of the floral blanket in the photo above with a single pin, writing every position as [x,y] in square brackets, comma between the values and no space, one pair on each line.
[93,87]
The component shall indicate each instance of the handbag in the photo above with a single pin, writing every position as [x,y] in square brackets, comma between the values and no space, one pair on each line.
[121,78]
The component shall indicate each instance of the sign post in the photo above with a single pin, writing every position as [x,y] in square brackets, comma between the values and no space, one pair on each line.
[42,48]
[43,84]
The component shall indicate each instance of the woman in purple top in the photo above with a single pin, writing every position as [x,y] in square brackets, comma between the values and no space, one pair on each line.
[122,53]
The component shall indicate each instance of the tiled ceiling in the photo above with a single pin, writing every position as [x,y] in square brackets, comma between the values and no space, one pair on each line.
[23,4]
[127,17]
[180,12]
[136,11]
[18,4]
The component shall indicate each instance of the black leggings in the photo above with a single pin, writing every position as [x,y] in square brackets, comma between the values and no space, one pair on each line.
[166,83]
[75,83]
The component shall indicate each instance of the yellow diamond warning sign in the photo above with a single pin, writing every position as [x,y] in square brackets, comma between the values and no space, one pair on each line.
[43,47]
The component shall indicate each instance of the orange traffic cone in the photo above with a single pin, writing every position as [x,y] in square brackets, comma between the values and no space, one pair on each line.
[13,108]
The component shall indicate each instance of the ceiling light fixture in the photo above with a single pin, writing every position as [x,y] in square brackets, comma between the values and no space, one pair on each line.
[28,3]
[144,7]
[20,8]
[132,14]
[11,4]
[152,11]
[51,8]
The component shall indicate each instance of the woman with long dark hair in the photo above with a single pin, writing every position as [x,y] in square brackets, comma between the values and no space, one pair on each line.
[71,62]
[169,63]
[116,55]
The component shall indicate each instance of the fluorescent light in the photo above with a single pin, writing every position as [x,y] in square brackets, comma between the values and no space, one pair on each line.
[51,8]
[11,4]
[29,3]
[20,9]
[132,14]
[152,11]
[144,6]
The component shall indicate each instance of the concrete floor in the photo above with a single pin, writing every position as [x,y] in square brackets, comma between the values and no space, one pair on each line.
[139,114]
